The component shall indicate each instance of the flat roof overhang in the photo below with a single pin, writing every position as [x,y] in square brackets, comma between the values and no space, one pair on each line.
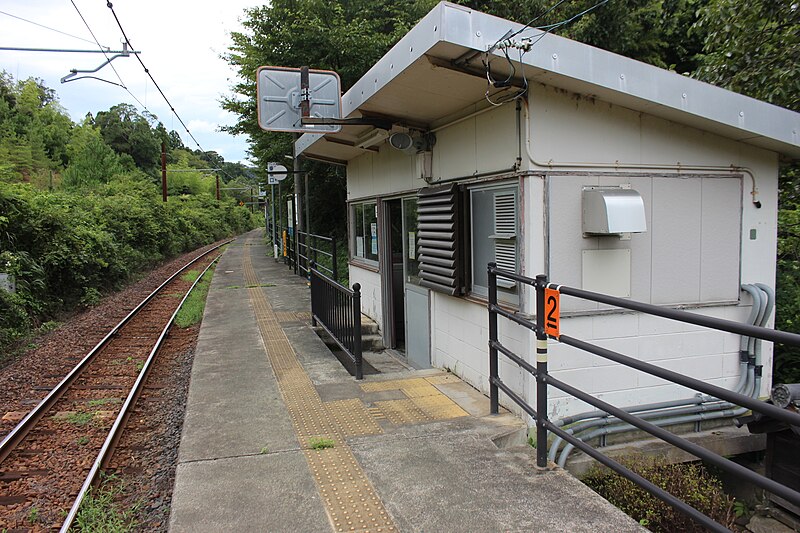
[423,82]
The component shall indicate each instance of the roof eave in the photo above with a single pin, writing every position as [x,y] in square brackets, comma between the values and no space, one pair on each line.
[577,67]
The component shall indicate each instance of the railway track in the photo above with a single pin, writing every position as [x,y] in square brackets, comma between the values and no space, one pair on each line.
[49,461]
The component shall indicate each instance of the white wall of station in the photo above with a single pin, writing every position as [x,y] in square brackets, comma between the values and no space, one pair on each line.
[705,237]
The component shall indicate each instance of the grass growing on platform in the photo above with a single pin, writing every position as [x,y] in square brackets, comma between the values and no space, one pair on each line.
[191,312]
[320,443]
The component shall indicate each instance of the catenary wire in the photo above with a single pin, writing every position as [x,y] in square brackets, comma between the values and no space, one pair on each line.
[147,71]
[121,83]
[53,29]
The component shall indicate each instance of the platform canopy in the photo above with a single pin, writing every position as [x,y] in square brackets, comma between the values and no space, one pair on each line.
[435,72]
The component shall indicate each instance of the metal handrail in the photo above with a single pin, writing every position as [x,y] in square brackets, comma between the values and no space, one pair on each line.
[309,243]
[543,379]
[338,310]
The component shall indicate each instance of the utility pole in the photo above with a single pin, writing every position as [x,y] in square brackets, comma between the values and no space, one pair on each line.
[217,187]
[274,224]
[298,204]
[164,171]
[305,111]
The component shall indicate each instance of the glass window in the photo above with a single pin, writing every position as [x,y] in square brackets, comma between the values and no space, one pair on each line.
[364,242]
[494,230]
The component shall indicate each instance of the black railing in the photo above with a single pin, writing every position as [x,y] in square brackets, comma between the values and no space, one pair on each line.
[272,231]
[543,380]
[317,250]
[338,310]
[289,249]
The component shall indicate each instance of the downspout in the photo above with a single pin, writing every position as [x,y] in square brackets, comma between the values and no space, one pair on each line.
[770,305]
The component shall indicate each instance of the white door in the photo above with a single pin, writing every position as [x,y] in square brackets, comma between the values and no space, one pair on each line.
[417,315]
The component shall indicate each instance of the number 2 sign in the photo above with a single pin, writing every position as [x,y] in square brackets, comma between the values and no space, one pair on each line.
[552,319]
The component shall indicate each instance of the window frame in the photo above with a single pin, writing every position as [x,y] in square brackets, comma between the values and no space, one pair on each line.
[508,295]
[353,232]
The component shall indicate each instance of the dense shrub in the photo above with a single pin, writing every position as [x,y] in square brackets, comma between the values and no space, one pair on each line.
[689,482]
[66,248]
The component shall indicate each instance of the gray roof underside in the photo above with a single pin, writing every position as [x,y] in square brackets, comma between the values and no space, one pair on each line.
[417,84]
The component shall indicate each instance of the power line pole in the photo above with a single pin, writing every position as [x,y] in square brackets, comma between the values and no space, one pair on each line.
[164,171]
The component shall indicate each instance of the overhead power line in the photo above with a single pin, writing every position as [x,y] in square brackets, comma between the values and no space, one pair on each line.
[147,71]
[524,44]
[108,60]
[51,29]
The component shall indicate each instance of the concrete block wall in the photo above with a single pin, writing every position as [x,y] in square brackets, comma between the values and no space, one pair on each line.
[707,355]
[371,298]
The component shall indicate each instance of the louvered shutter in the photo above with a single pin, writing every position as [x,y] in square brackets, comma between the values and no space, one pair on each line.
[505,234]
[439,253]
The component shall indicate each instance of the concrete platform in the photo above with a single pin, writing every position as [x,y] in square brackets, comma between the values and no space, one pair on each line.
[279,437]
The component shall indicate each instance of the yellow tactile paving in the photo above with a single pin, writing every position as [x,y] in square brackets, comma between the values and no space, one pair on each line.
[350,499]
[394,384]
[425,402]
[401,412]
[352,417]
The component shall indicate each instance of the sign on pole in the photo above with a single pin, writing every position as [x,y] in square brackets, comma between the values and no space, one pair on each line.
[282,97]
[276,173]
[552,317]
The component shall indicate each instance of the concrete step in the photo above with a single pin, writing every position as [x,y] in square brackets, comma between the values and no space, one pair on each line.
[371,343]
[368,326]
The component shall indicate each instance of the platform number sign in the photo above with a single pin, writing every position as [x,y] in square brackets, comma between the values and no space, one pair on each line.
[552,305]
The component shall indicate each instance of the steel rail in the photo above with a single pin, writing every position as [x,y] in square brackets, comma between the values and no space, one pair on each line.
[16,435]
[114,435]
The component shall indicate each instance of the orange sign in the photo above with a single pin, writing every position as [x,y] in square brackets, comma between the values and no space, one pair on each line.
[284,244]
[552,308]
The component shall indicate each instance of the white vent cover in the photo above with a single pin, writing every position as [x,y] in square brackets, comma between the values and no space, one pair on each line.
[612,211]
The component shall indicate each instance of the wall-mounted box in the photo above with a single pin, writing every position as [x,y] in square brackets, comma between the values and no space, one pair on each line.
[612,211]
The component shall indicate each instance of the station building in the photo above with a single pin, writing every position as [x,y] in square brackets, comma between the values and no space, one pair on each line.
[600,171]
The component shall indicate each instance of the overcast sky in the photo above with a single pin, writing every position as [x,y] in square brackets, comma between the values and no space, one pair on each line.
[181,42]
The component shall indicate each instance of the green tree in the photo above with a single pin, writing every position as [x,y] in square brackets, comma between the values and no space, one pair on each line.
[753,48]
[658,32]
[185,181]
[34,128]
[128,132]
[91,160]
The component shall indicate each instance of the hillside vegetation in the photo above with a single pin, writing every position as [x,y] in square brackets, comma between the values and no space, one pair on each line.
[81,211]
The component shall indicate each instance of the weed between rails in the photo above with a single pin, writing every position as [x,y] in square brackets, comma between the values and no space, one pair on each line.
[99,511]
